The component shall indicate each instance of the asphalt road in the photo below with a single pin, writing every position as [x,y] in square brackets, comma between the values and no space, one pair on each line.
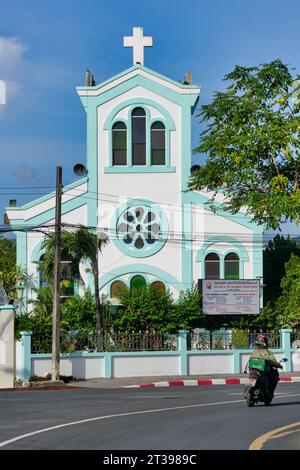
[186,418]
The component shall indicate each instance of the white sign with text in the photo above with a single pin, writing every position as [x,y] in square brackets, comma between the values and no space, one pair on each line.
[235,297]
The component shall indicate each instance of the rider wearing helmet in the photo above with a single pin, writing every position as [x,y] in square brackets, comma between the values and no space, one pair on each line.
[261,351]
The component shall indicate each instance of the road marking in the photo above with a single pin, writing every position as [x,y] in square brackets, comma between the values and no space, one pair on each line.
[98,418]
[285,433]
[261,440]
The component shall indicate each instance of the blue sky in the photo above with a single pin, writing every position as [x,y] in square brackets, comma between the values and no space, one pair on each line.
[46,46]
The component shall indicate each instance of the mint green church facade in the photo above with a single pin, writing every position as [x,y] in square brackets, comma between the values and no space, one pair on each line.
[138,165]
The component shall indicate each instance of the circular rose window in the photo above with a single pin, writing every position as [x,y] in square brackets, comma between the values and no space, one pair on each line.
[141,230]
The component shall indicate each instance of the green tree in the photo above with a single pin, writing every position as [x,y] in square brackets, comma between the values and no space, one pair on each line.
[143,309]
[8,268]
[79,312]
[287,306]
[186,312]
[149,308]
[252,142]
[285,311]
[276,254]
[80,245]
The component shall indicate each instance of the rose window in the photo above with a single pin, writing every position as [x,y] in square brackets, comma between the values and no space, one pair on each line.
[139,229]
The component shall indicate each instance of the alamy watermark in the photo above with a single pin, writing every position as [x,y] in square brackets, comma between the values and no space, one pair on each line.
[2,92]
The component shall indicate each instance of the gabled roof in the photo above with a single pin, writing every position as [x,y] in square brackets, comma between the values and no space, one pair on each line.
[138,70]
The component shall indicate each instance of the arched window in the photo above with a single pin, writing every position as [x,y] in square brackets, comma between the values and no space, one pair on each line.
[159,285]
[42,280]
[137,282]
[212,266]
[232,266]
[158,145]
[116,289]
[138,130]
[119,143]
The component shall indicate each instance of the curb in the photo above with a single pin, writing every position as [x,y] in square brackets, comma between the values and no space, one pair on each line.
[206,382]
[32,389]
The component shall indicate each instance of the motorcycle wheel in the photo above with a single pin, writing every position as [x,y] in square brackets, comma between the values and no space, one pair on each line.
[268,400]
[249,400]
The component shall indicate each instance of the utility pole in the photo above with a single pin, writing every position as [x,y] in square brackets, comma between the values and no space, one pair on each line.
[56,284]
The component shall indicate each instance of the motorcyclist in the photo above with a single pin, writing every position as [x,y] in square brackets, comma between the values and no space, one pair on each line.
[261,351]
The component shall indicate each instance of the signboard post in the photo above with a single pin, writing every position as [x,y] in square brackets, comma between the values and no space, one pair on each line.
[230,297]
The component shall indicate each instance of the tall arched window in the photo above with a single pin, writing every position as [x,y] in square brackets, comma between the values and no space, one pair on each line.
[119,143]
[158,144]
[116,289]
[42,279]
[212,266]
[159,285]
[138,135]
[232,266]
[137,282]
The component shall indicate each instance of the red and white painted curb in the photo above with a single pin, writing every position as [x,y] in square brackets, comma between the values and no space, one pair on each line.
[205,382]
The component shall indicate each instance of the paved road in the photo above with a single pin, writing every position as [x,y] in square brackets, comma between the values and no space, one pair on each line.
[214,417]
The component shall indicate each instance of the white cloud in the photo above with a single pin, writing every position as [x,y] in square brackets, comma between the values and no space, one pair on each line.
[11,55]
[12,64]
[21,74]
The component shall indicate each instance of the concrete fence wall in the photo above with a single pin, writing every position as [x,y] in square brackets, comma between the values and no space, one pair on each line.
[7,350]
[84,365]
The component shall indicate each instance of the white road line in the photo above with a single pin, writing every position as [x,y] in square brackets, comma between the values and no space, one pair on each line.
[98,418]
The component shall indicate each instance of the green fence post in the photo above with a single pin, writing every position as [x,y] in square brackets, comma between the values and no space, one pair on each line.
[236,361]
[286,346]
[26,355]
[182,348]
[107,365]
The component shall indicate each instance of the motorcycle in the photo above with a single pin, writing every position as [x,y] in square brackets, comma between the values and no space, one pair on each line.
[257,386]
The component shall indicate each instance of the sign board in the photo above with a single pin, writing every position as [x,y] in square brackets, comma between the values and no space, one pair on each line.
[230,297]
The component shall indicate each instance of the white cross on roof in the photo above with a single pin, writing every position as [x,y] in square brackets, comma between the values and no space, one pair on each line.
[138,41]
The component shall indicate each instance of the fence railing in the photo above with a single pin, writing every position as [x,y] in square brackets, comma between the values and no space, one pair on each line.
[88,342]
[295,339]
[237,339]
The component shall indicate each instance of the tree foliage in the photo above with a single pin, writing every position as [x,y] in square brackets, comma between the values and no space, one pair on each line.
[150,309]
[252,144]
[80,245]
[276,254]
[287,306]
[8,268]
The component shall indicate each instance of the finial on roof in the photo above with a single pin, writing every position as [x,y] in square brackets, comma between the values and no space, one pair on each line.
[187,78]
[89,79]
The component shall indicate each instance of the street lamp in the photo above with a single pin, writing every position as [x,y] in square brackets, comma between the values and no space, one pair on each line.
[20,287]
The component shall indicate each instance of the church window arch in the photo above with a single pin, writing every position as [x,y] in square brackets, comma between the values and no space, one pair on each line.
[137,282]
[212,266]
[232,266]
[158,143]
[159,285]
[119,143]
[138,136]
[41,271]
[116,289]
[146,148]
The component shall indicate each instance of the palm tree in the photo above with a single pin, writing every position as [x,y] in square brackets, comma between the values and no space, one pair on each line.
[80,245]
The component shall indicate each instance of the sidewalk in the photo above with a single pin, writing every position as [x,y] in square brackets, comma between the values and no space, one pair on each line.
[177,380]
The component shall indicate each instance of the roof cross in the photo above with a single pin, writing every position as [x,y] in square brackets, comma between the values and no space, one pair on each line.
[138,41]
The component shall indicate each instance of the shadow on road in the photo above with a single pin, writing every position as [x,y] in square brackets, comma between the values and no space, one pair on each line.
[286,404]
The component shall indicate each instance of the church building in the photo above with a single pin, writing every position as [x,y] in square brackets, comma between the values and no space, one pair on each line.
[139,159]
